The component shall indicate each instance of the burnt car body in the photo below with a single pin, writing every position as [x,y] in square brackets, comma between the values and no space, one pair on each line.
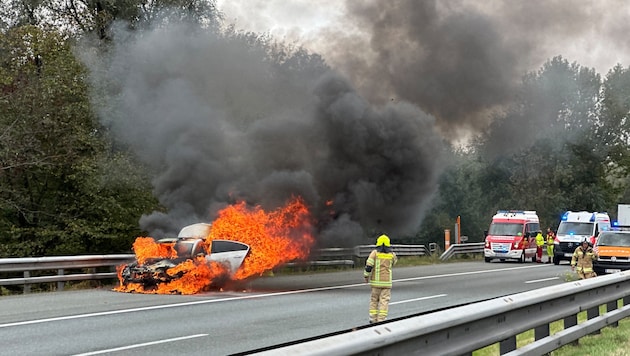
[156,270]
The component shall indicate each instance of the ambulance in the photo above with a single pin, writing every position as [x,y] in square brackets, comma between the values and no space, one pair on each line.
[512,235]
[575,227]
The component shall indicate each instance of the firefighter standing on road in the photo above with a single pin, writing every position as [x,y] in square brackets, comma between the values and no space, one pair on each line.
[583,259]
[540,242]
[378,272]
[550,239]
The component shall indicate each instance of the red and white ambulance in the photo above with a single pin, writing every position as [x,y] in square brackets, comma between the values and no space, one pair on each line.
[575,227]
[512,235]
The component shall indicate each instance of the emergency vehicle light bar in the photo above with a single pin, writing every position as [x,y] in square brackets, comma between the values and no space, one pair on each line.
[516,211]
[593,218]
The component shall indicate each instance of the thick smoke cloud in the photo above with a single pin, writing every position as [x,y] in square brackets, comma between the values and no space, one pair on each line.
[461,60]
[217,122]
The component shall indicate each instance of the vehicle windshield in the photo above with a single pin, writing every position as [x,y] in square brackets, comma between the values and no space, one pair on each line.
[575,228]
[614,239]
[505,229]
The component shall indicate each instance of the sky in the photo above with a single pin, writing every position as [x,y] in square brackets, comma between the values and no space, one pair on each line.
[459,60]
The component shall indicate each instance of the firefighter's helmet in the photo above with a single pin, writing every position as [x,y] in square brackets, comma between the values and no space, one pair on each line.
[383,240]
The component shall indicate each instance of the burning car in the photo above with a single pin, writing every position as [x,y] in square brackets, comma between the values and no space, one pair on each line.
[242,242]
[173,258]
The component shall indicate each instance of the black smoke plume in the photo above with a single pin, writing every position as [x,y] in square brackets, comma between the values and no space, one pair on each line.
[223,117]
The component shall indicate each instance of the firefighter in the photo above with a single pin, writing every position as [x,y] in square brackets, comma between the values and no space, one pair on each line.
[583,257]
[550,240]
[378,272]
[540,242]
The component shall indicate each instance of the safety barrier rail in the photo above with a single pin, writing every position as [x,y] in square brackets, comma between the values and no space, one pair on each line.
[462,249]
[363,251]
[341,256]
[67,268]
[462,330]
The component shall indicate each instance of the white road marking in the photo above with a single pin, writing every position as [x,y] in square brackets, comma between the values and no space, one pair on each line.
[465,273]
[542,280]
[416,299]
[250,296]
[123,348]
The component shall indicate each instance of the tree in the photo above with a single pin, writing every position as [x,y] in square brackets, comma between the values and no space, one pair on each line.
[613,134]
[548,142]
[53,154]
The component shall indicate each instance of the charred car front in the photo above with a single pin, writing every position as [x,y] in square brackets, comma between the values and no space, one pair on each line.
[163,270]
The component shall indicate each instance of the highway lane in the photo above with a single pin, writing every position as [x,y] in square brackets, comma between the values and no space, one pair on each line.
[256,314]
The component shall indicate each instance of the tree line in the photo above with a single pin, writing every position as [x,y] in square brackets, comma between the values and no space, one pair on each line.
[67,187]
[563,145]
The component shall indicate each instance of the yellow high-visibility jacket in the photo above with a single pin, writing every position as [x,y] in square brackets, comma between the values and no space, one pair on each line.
[378,268]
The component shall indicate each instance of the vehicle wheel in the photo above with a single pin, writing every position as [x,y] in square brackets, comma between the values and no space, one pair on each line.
[488,259]
[556,260]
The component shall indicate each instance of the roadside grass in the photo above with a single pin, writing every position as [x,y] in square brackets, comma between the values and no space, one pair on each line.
[611,341]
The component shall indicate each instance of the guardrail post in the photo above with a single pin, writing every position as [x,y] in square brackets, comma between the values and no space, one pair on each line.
[60,284]
[593,313]
[27,286]
[541,332]
[507,345]
[610,306]
[570,321]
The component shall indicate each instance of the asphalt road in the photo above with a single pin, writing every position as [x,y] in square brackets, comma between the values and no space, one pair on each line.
[260,313]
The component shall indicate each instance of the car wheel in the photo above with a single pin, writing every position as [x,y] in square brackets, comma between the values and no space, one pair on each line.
[488,259]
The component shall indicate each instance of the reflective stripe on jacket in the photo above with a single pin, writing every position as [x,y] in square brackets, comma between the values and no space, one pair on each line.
[378,268]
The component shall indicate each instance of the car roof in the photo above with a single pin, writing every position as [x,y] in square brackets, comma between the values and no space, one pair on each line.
[615,232]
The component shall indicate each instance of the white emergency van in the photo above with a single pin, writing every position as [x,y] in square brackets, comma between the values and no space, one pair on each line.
[512,236]
[575,227]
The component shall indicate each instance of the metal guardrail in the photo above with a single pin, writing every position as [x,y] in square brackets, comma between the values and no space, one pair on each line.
[363,251]
[343,256]
[462,330]
[65,267]
[462,249]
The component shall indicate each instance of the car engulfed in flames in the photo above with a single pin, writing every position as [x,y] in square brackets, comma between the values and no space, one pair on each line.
[241,243]
[154,271]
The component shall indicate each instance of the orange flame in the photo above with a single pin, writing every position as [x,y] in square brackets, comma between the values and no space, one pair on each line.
[274,238]
[146,247]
